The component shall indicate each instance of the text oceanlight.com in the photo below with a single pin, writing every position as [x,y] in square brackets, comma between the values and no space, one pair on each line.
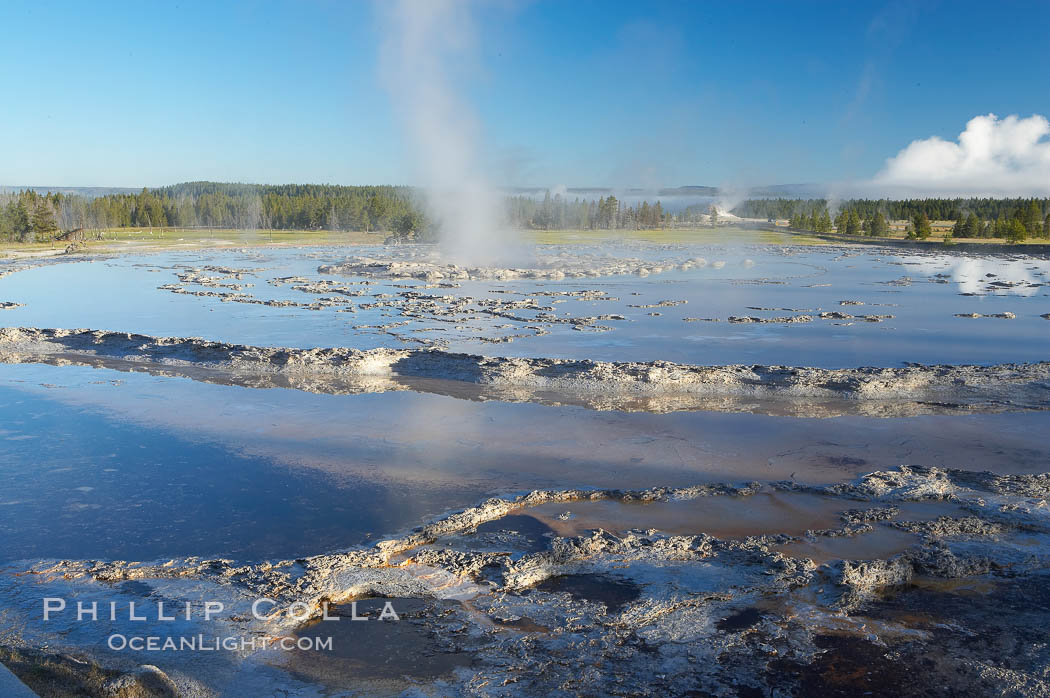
[201,643]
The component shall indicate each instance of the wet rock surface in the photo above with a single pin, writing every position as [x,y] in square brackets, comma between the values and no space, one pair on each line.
[747,319]
[654,386]
[416,309]
[422,300]
[1002,316]
[52,674]
[426,265]
[602,614]
[906,572]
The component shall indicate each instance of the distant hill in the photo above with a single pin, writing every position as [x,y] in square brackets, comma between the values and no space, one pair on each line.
[87,192]
[772,191]
[694,190]
[631,191]
[808,190]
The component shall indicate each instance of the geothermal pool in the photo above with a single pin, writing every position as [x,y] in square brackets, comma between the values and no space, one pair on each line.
[660,531]
[913,301]
[116,465]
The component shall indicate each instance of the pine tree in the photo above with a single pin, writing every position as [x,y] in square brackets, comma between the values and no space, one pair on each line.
[20,224]
[922,229]
[43,219]
[1031,219]
[825,222]
[1015,231]
[1000,227]
[409,224]
[378,212]
[879,226]
[852,223]
[972,227]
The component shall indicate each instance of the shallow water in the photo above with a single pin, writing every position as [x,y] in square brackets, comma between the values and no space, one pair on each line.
[392,654]
[880,544]
[77,483]
[722,516]
[105,464]
[923,291]
[735,517]
[99,463]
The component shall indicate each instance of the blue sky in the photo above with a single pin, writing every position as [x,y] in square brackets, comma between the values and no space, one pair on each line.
[572,93]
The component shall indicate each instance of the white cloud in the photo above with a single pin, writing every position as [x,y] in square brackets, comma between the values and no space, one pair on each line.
[993,156]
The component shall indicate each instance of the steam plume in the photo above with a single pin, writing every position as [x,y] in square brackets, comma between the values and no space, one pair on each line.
[430,43]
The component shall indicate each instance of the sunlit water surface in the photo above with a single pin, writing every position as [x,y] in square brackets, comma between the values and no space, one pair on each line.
[924,293]
[103,464]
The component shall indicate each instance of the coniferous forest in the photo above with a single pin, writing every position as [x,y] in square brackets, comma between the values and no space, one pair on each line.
[1010,219]
[27,215]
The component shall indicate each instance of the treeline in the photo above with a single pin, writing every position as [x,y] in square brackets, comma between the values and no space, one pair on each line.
[287,206]
[607,213]
[26,215]
[904,209]
[1009,219]
[1026,219]
[946,209]
[780,208]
